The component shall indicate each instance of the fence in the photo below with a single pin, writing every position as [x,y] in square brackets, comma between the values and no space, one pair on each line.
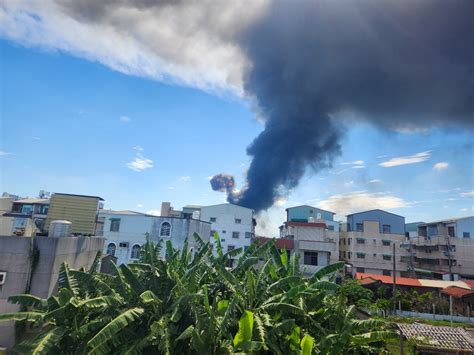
[445,317]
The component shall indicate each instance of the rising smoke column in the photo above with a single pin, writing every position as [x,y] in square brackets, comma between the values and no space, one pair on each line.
[396,64]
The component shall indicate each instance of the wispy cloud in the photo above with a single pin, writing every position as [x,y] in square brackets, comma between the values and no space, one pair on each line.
[138,148]
[467,193]
[356,162]
[4,153]
[184,179]
[411,159]
[36,138]
[125,119]
[170,187]
[140,163]
[344,204]
[139,205]
[441,166]
[375,181]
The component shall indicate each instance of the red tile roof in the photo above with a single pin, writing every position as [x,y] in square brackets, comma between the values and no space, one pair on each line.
[306,224]
[281,243]
[401,281]
[457,292]
[469,282]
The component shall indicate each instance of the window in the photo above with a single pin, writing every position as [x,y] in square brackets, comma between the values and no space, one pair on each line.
[349,241]
[111,249]
[466,235]
[360,269]
[344,254]
[3,276]
[135,252]
[360,241]
[360,255]
[375,241]
[387,257]
[331,228]
[451,231]
[359,227]
[386,243]
[165,230]
[349,254]
[114,224]
[224,232]
[386,272]
[213,219]
[238,221]
[235,235]
[230,247]
[344,241]
[212,233]
[248,235]
[375,255]
[123,245]
[386,228]
[223,240]
[310,258]
[311,211]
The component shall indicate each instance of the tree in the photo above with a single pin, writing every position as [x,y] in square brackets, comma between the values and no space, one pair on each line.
[193,304]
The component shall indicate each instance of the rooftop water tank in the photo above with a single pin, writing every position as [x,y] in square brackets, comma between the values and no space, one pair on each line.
[59,229]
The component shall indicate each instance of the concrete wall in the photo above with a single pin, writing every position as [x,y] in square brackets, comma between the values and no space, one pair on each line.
[225,225]
[465,225]
[16,256]
[396,223]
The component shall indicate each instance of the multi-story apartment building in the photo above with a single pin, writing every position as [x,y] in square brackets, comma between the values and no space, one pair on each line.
[234,224]
[314,243]
[367,242]
[444,248]
[125,232]
[306,213]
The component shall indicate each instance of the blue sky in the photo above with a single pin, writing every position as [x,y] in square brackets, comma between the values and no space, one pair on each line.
[77,126]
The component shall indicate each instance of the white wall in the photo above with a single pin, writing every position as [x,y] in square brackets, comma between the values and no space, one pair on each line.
[133,229]
[225,215]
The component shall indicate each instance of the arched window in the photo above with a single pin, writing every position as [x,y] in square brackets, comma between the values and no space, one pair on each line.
[165,230]
[135,252]
[111,249]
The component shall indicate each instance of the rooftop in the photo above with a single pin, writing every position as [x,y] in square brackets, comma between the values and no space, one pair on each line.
[448,220]
[63,194]
[457,292]
[438,338]
[306,224]
[124,212]
[39,201]
[376,209]
[316,208]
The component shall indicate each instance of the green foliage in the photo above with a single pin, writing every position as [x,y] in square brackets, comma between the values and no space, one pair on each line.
[355,293]
[194,304]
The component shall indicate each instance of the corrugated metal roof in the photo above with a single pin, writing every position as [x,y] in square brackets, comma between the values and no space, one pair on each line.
[457,292]
[124,212]
[439,338]
[444,284]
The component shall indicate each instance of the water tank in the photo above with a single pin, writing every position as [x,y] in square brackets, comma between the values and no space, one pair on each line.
[59,229]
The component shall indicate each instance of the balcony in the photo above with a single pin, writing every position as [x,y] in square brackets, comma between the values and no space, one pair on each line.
[317,245]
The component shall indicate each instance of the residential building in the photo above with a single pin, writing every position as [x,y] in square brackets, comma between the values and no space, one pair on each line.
[234,224]
[23,217]
[367,242]
[168,211]
[80,210]
[315,244]
[125,232]
[31,265]
[306,213]
[445,249]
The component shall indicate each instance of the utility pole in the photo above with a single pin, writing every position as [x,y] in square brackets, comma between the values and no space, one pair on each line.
[394,271]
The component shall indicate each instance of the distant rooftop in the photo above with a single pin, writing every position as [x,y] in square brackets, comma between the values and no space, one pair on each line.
[193,206]
[447,220]
[375,209]
[59,193]
[124,212]
[316,208]
[39,201]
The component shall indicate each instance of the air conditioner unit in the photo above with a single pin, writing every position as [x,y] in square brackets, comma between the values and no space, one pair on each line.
[3,277]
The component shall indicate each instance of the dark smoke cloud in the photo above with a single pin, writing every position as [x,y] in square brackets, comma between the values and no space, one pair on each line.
[393,63]
[223,183]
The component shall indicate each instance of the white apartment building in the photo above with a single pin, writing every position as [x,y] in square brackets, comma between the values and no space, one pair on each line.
[125,232]
[316,245]
[234,224]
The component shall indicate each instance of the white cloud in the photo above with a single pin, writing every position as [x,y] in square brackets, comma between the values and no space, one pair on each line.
[125,119]
[408,129]
[139,205]
[356,162]
[138,148]
[440,166]
[36,138]
[375,181]
[467,193]
[4,153]
[349,183]
[140,163]
[185,178]
[189,43]
[344,204]
[154,212]
[411,159]
[170,187]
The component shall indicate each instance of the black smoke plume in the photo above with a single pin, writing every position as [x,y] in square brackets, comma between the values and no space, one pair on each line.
[223,182]
[394,63]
